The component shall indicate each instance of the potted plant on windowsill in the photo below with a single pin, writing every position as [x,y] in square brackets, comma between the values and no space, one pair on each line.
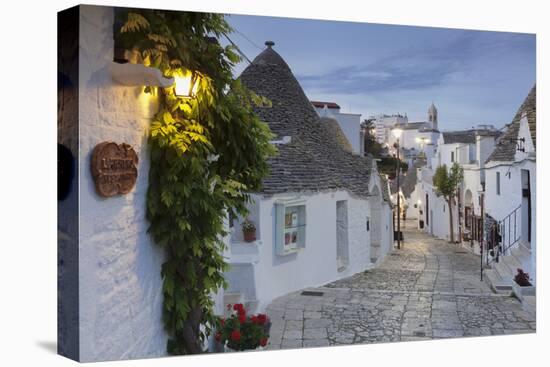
[240,332]
[522,284]
[249,230]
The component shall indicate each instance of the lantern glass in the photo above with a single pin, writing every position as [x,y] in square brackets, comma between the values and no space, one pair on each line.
[186,85]
[397,133]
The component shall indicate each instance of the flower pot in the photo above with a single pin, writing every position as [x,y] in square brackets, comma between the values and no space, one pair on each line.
[249,236]
[522,291]
[231,350]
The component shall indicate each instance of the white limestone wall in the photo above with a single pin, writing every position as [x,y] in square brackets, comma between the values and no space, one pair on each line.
[444,154]
[120,283]
[387,230]
[350,123]
[531,166]
[499,206]
[316,264]
[438,210]
[411,139]
[472,182]
[484,147]
[465,153]
[413,204]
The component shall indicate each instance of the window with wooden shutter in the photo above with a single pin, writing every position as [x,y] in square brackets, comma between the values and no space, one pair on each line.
[290,226]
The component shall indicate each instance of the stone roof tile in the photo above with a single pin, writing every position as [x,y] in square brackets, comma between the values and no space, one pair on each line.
[505,150]
[317,157]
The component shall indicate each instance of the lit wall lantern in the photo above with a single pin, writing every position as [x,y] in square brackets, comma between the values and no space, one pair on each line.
[186,85]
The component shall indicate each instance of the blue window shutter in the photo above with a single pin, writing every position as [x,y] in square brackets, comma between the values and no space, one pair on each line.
[279,228]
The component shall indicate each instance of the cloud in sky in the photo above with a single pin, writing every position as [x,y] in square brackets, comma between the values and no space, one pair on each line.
[472,76]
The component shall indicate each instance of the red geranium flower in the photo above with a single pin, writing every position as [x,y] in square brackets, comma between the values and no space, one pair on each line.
[235,335]
[238,307]
[254,319]
[242,318]
[262,318]
[263,342]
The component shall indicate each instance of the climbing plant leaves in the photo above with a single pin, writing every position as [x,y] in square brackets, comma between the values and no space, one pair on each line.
[207,154]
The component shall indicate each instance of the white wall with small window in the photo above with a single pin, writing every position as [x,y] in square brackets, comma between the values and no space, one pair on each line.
[305,240]
[436,212]
[502,189]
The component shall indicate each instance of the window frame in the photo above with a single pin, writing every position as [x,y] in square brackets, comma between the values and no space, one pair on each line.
[283,231]
[498,182]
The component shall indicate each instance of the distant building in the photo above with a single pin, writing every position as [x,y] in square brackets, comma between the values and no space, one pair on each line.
[470,149]
[417,136]
[383,125]
[350,123]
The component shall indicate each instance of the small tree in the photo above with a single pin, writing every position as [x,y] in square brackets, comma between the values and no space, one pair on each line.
[446,183]
[371,145]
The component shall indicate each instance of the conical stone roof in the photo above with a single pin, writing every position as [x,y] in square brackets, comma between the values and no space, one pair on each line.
[505,151]
[316,159]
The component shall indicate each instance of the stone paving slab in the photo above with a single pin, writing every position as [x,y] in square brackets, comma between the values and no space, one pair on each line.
[428,290]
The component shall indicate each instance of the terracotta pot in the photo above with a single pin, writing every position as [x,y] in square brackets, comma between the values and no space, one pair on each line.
[249,236]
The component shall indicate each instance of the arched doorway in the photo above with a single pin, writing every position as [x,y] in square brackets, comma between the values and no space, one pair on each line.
[375,224]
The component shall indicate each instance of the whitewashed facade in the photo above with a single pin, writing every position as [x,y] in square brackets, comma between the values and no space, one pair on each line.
[383,125]
[350,123]
[510,193]
[323,214]
[470,149]
[119,303]
[343,235]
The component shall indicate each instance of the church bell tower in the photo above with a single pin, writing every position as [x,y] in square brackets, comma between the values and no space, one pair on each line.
[432,116]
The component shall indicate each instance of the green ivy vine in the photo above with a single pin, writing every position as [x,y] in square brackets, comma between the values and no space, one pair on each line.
[207,153]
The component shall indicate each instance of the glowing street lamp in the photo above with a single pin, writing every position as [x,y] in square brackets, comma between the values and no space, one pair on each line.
[397,133]
[422,140]
[186,85]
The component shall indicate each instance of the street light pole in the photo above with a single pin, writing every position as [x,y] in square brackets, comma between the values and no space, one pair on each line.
[397,133]
[398,199]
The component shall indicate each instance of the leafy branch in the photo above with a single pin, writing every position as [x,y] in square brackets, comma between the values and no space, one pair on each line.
[190,193]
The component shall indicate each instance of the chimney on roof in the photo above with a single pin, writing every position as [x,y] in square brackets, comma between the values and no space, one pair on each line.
[269,44]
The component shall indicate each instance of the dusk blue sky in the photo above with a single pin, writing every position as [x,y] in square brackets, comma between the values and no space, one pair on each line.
[473,77]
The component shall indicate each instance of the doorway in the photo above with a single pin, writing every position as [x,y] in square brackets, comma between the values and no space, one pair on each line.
[342,248]
[375,227]
[526,207]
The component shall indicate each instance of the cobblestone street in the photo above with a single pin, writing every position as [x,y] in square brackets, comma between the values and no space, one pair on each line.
[428,290]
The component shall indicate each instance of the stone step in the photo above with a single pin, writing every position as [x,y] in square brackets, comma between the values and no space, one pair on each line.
[502,269]
[496,283]
[521,252]
[513,263]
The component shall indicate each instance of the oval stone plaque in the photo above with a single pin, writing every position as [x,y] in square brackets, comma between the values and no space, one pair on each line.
[114,168]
